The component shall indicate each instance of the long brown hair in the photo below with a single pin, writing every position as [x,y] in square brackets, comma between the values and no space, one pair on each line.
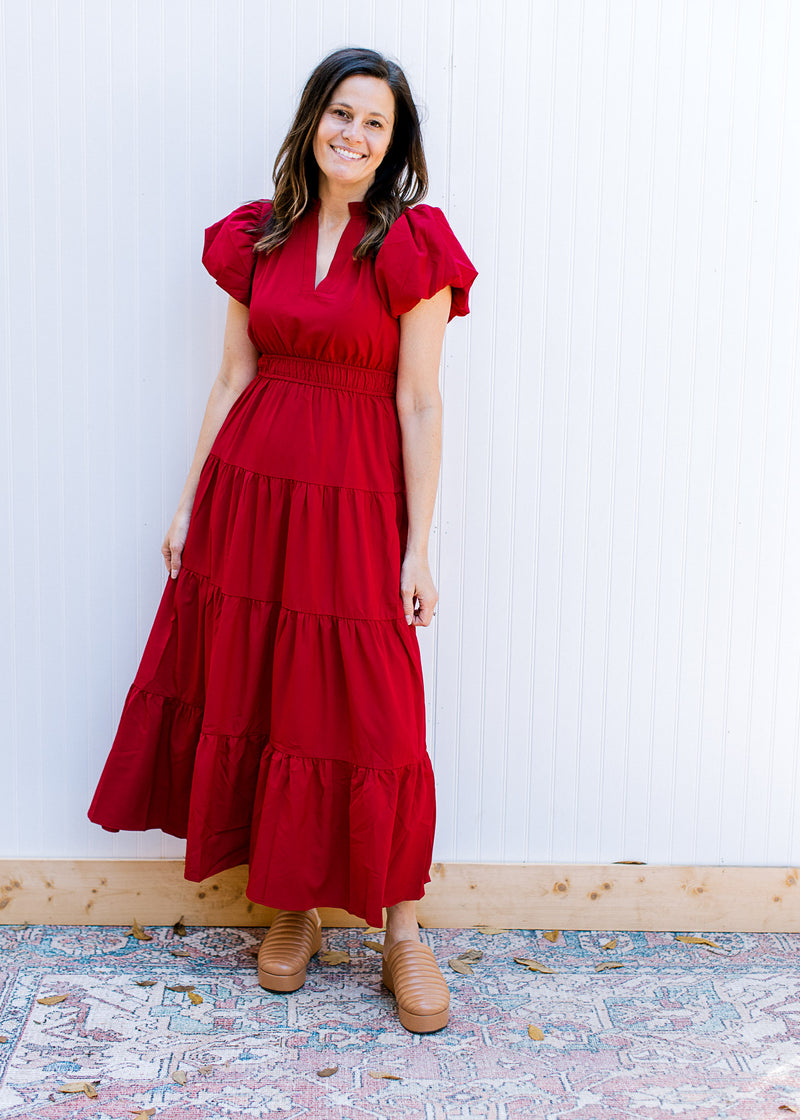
[401,179]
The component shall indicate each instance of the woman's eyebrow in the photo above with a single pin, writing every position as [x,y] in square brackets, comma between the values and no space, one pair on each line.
[372,113]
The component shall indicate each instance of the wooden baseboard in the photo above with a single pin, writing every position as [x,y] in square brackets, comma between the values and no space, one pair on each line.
[509,895]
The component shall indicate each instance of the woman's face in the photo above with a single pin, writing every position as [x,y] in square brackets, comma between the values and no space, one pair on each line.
[355,132]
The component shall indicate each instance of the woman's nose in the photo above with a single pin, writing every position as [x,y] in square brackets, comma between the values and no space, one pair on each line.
[353,132]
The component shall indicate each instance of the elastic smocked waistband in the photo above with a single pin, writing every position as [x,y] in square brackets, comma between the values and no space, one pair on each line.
[317,371]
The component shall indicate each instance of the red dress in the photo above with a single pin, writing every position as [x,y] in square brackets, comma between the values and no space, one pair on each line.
[277,717]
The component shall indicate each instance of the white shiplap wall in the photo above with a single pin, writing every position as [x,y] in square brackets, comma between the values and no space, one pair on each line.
[614,668]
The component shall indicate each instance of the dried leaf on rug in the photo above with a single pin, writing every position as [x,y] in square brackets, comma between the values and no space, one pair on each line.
[534,966]
[697,941]
[78,1087]
[335,956]
[139,933]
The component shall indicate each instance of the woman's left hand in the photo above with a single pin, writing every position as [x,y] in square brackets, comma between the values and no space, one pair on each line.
[416,581]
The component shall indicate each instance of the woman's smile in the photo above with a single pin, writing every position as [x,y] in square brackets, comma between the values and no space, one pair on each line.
[346,153]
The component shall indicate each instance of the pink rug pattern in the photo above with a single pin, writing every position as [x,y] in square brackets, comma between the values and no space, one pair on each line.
[677,1030]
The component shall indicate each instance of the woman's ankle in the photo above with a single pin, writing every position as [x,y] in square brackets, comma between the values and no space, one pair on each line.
[401,923]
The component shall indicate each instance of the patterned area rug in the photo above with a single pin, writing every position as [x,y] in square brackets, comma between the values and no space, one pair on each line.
[678,1029]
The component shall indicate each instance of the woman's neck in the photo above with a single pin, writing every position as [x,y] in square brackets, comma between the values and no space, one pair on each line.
[334,206]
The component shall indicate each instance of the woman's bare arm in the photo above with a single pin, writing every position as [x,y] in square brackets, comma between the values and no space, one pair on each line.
[419,409]
[238,368]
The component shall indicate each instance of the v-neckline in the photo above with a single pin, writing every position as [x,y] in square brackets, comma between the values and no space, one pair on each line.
[357,209]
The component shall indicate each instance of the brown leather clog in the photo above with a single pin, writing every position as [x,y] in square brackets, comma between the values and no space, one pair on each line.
[423,999]
[293,938]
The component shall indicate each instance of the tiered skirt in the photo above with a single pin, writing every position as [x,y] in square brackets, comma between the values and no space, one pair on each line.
[277,717]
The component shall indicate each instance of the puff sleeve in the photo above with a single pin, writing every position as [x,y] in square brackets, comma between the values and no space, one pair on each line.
[419,256]
[228,249]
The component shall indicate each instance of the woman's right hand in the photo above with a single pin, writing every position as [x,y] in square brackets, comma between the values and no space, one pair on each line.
[172,548]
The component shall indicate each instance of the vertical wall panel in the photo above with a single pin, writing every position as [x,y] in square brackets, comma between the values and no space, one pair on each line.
[614,668]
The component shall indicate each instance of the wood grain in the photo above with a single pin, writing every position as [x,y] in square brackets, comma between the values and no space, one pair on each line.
[460,895]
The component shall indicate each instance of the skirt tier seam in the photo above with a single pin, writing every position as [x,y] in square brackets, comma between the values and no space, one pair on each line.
[166,696]
[278,603]
[298,481]
[281,748]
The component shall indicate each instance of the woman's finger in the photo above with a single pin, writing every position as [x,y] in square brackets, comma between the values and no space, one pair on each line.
[424,612]
[407,595]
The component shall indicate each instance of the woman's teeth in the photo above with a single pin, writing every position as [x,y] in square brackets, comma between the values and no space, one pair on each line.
[347,154]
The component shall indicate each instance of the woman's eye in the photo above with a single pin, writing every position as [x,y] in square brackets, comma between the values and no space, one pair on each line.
[376,123]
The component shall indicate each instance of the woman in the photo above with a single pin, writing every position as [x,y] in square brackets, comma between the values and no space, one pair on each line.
[277,717]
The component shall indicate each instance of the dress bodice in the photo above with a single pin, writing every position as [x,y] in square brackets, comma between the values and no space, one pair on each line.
[352,316]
